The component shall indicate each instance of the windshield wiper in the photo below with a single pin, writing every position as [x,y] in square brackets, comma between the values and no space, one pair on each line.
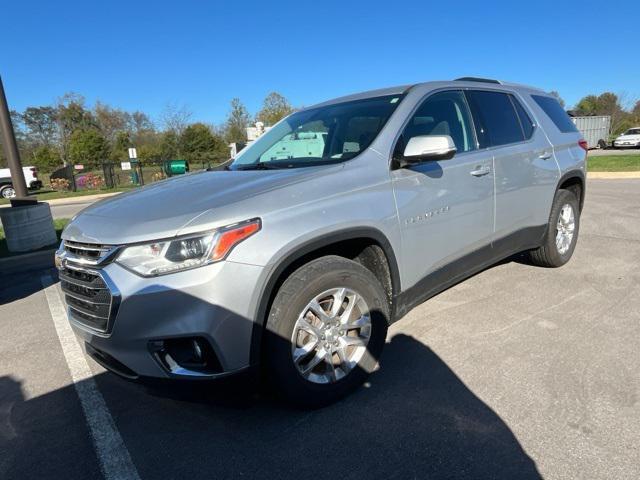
[261,166]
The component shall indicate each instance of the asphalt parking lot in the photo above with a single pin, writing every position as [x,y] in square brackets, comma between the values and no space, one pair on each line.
[519,372]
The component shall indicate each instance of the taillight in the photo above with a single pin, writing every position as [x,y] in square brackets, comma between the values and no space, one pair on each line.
[34,170]
[584,145]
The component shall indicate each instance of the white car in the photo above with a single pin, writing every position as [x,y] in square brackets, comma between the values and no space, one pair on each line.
[630,138]
[30,177]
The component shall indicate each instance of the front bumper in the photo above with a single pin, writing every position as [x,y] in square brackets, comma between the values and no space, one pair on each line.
[214,304]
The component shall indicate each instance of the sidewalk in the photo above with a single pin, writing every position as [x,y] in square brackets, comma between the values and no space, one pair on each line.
[612,175]
[78,199]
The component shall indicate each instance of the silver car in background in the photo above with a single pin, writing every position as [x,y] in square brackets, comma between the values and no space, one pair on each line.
[629,139]
[332,225]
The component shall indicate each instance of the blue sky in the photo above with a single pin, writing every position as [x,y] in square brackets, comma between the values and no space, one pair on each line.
[145,54]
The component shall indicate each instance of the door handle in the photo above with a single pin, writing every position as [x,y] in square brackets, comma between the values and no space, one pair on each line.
[545,156]
[480,171]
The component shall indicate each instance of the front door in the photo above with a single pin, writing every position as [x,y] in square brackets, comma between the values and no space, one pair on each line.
[446,208]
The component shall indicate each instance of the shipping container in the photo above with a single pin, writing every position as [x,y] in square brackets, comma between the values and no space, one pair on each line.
[595,130]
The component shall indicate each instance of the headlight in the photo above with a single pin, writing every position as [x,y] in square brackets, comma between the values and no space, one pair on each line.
[183,253]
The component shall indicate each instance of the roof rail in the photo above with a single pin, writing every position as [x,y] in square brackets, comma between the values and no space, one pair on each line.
[477,79]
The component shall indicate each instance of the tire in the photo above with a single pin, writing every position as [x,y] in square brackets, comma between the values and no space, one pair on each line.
[330,276]
[550,253]
[7,191]
[602,144]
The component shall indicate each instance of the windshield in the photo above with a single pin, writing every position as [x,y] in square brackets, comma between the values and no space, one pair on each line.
[633,131]
[318,136]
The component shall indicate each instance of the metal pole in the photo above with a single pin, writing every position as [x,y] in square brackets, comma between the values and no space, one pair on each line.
[10,147]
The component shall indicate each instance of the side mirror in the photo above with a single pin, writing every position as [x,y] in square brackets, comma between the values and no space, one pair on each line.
[424,148]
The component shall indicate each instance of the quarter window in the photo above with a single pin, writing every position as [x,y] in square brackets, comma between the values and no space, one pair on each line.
[556,113]
[443,113]
[495,118]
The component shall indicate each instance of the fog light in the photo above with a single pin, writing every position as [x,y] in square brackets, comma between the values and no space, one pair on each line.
[192,356]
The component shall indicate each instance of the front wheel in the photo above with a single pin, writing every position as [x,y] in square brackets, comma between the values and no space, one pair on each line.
[562,232]
[326,330]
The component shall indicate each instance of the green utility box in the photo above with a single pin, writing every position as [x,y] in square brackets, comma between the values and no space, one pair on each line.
[175,167]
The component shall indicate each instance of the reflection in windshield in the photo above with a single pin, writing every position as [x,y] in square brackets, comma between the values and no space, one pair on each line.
[319,136]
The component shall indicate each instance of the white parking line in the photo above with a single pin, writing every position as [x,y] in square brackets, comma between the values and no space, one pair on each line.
[113,456]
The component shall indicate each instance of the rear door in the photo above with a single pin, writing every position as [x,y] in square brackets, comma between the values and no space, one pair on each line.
[445,207]
[525,170]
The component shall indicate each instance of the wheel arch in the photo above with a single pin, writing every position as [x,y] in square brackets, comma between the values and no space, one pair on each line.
[574,181]
[326,244]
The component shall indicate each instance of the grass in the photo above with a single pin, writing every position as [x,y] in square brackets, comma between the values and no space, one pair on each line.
[614,163]
[52,194]
[58,223]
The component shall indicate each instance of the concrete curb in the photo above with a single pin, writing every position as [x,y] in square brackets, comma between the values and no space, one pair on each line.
[612,175]
[27,261]
[81,199]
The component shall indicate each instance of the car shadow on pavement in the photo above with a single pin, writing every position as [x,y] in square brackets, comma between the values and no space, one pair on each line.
[19,285]
[413,419]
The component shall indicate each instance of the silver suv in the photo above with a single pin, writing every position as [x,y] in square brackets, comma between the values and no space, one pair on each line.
[333,224]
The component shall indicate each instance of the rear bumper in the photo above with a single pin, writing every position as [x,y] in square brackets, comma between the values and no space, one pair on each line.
[35,185]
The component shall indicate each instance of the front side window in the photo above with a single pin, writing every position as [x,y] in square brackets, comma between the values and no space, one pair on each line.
[318,136]
[495,117]
[443,113]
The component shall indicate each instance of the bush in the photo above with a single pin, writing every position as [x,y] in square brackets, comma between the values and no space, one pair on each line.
[60,184]
[91,181]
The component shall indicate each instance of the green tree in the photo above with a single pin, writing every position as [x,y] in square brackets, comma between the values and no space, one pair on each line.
[119,150]
[45,158]
[274,108]
[71,115]
[238,119]
[558,97]
[111,121]
[606,103]
[87,146]
[169,146]
[40,123]
[199,144]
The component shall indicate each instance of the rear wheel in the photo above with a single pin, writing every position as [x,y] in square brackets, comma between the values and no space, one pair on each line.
[325,331]
[562,232]
[7,191]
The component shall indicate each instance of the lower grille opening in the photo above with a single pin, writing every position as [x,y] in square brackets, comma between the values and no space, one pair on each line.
[187,356]
[110,363]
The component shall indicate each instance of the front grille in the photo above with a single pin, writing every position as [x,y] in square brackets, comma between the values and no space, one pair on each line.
[88,297]
[88,253]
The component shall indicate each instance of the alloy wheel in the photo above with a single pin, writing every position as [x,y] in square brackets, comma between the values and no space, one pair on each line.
[331,335]
[565,228]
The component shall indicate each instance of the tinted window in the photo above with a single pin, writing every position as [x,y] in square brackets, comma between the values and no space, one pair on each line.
[495,118]
[443,113]
[556,113]
[525,120]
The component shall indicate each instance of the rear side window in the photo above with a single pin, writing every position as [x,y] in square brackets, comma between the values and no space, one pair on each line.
[525,120]
[495,117]
[556,113]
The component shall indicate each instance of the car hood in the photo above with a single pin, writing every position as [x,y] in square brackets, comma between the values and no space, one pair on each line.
[160,210]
